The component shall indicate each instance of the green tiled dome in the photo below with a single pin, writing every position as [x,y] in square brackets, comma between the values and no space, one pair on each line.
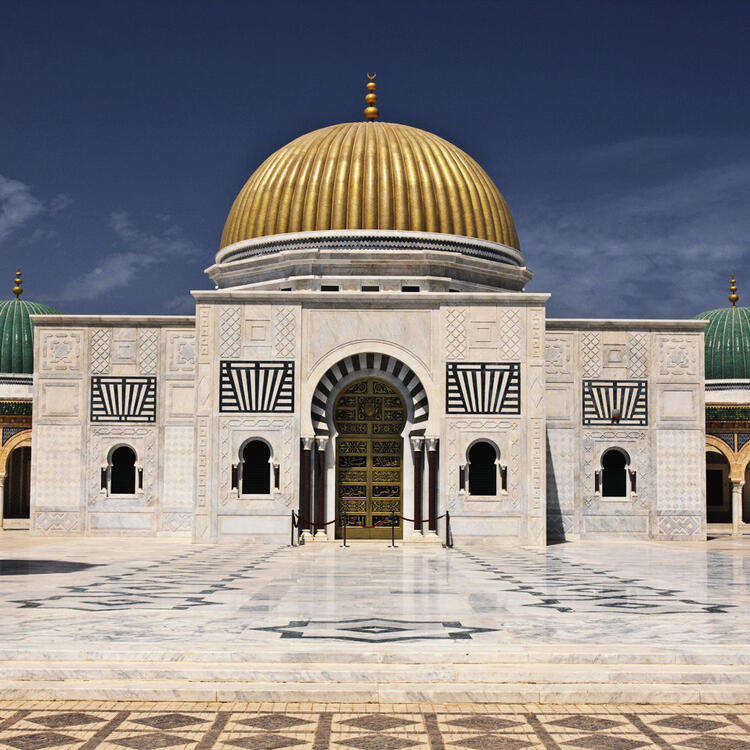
[727,343]
[17,333]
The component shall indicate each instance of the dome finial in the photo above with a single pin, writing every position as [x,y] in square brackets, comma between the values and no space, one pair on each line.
[18,289]
[371,111]
[733,296]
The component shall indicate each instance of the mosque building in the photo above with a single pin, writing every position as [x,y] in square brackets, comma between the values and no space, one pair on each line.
[368,362]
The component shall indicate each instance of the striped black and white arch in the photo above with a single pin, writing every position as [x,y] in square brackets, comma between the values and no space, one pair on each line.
[368,362]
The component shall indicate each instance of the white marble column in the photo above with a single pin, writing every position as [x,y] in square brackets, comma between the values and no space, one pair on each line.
[736,506]
[2,500]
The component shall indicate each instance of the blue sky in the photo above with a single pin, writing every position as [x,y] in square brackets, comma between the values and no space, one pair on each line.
[617,132]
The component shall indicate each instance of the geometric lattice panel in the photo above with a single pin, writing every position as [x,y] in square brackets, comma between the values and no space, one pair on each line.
[128,399]
[602,397]
[483,388]
[252,387]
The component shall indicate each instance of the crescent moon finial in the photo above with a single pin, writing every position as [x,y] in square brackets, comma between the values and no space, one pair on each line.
[371,76]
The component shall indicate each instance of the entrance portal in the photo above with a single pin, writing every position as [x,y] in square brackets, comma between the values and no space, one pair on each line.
[17,484]
[369,416]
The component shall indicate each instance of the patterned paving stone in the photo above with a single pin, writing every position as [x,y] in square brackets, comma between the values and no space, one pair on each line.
[689,723]
[151,726]
[170,721]
[273,721]
[266,741]
[493,742]
[611,742]
[376,722]
[72,719]
[37,741]
[586,723]
[150,740]
[712,742]
[376,742]
[483,723]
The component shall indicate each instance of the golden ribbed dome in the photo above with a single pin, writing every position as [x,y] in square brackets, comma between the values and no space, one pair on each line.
[370,175]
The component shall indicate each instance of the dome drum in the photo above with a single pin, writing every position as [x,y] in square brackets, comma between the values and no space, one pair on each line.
[374,254]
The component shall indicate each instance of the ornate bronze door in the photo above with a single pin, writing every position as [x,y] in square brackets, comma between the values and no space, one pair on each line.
[369,416]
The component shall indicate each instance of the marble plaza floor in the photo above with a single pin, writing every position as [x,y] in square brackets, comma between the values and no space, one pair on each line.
[120,618]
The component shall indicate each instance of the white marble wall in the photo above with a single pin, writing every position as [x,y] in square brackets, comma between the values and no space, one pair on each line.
[319,330]
[667,454]
[70,450]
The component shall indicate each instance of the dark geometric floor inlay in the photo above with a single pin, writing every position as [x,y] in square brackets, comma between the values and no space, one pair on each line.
[376,722]
[689,723]
[608,741]
[183,581]
[376,742]
[150,741]
[586,723]
[264,741]
[273,721]
[37,741]
[565,585]
[170,721]
[483,723]
[712,742]
[376,630]
[493,742]
[69,719]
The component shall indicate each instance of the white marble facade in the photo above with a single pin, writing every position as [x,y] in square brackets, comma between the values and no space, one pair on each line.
[549,449]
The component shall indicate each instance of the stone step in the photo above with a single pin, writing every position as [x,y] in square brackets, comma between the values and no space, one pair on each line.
[592,692]
[366,674]
[601,655]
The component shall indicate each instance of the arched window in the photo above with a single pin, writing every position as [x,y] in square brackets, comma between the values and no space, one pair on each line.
[614,473]
[482,469]
[256,468]
[122,471]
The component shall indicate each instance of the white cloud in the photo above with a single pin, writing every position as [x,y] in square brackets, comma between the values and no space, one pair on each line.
[112,272]
[170,241]
[662,246]
[182,304]
[18,205]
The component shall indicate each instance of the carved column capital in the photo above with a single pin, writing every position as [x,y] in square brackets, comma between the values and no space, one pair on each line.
[322,443]
[308,443]
[417,443]
[432,443]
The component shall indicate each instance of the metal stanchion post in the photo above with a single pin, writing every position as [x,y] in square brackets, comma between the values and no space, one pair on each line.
[447,528]
[291,541]
[393,528]
[346,523]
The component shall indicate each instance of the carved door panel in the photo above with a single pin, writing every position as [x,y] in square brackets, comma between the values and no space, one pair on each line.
[369,416]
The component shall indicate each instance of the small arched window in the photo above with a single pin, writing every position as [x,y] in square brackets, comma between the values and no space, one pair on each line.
[482,469]
[122,471]
[256,468]
[614,473]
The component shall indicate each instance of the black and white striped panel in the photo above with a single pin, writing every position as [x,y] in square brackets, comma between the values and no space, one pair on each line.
[252,387]
[128,399]
[602,397]
[357,362]
[483,388]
